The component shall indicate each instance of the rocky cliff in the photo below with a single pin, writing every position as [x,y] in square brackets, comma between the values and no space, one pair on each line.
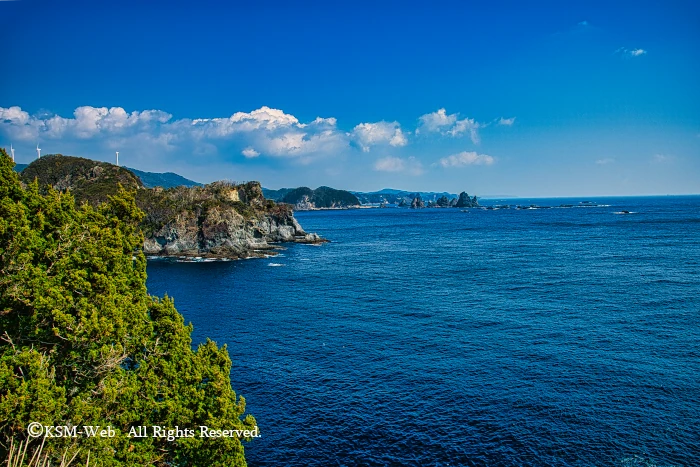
[219,220]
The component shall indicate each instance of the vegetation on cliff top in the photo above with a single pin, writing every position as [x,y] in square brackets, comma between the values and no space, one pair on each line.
[88,180]
[83,343]
[164,206]
[93,182]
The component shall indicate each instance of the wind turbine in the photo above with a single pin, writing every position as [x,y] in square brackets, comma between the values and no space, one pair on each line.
[117,158]
[12,150]
[38,151]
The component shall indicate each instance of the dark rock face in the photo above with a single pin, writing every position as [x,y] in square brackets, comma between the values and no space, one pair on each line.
[417,203]
[442,202]
[465,201]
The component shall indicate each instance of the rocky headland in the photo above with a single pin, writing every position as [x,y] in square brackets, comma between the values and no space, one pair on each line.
[219,220]
[306,199]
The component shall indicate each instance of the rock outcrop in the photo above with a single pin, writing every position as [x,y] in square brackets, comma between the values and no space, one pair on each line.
[217,220]
[417,203]
[465,201]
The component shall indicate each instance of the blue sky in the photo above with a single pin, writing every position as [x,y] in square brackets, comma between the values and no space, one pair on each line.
[495,98]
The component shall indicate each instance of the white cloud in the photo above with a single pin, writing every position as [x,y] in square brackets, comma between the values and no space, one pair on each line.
[410,165]
[87,122]
[260,133]
[331,121]
[270,131]
[262,119]
[607,160]
[250,153]
[465,158]
[370,134]
[506,121]
[436,121]
[631,52]
[14,115]
[449,124]
[467,125]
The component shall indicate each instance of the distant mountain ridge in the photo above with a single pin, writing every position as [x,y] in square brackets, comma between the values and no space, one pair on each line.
[165,180]
[276,195]
[304,198]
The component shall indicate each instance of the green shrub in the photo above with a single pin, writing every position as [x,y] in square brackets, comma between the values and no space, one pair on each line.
[82,342]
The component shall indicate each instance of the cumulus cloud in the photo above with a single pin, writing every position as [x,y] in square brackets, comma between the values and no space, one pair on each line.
[410,165]
[631,52]
[370,134]
[14,115]
[261,133]
[87,122]
[436,121]
[264,131]
[250,153]
[449,124]
[465,158]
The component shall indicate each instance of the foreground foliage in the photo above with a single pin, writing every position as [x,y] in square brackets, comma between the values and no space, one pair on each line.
[82,342]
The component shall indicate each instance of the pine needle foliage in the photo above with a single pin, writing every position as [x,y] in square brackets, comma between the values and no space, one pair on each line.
[83,343]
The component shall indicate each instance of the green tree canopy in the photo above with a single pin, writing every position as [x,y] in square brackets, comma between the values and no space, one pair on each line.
[82,342]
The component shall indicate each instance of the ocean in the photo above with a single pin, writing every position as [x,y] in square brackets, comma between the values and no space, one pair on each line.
[437,337]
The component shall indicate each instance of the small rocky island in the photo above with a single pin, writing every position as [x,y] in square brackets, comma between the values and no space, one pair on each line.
[219,220]
[464,201]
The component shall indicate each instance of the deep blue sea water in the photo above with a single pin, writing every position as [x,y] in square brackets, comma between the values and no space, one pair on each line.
[558,337]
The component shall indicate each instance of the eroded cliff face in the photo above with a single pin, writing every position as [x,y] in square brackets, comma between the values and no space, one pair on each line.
[219,220]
